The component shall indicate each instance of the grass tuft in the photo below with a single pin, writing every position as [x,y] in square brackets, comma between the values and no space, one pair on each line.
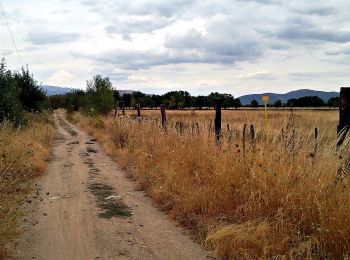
[276,197]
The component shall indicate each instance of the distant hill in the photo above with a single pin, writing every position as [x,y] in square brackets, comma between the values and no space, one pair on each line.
[245,100]
[55,90]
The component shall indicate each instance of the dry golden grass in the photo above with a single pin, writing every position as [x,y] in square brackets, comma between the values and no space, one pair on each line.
[23,154]
[276,198]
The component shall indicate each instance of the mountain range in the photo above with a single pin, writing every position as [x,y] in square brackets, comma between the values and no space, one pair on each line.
[245,100]
[325,95]
[55,90]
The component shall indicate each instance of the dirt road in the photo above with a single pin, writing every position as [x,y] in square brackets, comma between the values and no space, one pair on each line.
[86,208]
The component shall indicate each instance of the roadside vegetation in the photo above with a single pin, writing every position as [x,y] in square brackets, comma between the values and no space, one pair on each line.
[25,134]
[279,196]
[279,192]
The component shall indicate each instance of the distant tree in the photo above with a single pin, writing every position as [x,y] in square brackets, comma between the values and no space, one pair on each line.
[237,103]
[333,102]
[116,95]
[277,103]
[31,95]
[307,101]
[228,100]
[77,100]
[10,105]
[100,92]
[292,102]
[127,100]
[57,101]
[254,103]
[200,102]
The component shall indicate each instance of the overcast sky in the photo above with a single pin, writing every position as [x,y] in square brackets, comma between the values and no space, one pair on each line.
[232,46]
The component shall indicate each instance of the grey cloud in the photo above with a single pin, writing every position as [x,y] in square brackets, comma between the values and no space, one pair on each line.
[320,10]
[308,76]
[6,53]
[313,34]
[149,7]
[304,30]
[338,51]
[222,42]
[46,37]
[139,24]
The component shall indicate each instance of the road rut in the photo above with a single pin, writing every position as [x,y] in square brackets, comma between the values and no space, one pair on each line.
[86,208]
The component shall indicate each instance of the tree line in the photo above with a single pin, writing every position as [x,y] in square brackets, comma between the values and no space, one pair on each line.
[19,92]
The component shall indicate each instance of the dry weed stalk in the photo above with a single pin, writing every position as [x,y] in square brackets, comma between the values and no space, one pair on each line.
[273,201]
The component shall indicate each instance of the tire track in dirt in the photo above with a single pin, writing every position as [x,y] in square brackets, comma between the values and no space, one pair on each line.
[89,209]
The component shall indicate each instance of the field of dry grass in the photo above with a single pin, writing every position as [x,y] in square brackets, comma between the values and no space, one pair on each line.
[23,154]
[272,198]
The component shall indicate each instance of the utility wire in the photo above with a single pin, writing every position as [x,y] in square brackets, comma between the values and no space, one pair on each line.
[9,29]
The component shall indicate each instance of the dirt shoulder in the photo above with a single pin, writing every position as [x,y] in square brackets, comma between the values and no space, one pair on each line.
[87,208]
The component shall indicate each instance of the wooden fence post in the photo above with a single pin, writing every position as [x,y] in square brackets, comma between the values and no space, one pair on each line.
[252,134]
[116,108]
[316,139]
[163,115]
[244,130]
[344,115]
[218,119]
[123,110]
[138,107]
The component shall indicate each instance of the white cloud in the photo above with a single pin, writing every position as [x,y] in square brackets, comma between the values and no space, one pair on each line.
[236,46]
[60,78]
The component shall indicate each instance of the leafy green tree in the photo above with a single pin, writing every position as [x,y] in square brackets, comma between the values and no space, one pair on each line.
[77,100]
[333,102]
[100,91]
[277,103]
[200,102]
[57,101]
[127,100]
[254,103]
[237,103]
[31,95]
[307,101]
[10,105]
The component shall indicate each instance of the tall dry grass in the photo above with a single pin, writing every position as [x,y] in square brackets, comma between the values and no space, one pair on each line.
[23,154]
[275,199]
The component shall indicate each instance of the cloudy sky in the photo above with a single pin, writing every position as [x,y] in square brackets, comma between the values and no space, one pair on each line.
[232,46]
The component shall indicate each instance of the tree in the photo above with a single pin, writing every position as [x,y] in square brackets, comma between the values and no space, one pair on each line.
[277,103]
[32,96]
[10,105]
[116,95]
[57,101]
[77,100]
[333,102]
[254,103]
[127,100]
[237,103]
[307,101]
[100,91]
[200,102]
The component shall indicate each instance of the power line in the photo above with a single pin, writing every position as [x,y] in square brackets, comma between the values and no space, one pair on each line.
[9,29]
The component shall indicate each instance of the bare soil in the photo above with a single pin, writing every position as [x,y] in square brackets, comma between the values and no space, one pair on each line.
[85,207]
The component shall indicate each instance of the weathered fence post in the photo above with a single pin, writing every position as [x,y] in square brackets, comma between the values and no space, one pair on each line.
[218,119]
[123,109]
[342,131]
[116,108]
[229,135]
[244,130]
[344,115]
[316,140]
[138,107]
[252,134]
[163,115]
